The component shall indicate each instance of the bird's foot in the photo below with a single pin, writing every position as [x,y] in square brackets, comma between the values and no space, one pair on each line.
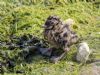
[54,59]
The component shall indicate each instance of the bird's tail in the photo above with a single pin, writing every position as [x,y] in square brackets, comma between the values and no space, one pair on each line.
[69,21]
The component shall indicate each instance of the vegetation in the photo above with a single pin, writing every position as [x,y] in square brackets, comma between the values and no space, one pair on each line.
[19,17]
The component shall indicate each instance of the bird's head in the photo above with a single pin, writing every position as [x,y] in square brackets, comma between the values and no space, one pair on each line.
[51,22]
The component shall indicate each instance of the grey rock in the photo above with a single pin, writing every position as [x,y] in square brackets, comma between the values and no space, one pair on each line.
[45,51]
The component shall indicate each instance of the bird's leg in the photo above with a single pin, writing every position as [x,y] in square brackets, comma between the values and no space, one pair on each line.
[56,59]
[64,53]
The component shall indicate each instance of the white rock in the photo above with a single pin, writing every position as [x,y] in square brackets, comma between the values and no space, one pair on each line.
[83,52]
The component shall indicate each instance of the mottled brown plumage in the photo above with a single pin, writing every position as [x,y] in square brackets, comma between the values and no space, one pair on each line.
[59,34]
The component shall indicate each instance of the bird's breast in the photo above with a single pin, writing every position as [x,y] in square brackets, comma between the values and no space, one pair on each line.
[49,36]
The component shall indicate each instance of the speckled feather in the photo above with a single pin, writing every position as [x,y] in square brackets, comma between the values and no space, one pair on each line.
[59,35]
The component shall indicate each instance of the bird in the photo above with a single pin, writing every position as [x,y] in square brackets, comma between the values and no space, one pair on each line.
[83,52]
[59,35]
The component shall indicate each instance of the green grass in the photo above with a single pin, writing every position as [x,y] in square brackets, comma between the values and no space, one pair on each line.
[29,19]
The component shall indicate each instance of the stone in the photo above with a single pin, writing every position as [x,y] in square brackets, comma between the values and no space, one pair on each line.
[45,51]
[83,52]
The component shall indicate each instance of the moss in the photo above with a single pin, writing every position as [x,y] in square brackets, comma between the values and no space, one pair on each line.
[22,18]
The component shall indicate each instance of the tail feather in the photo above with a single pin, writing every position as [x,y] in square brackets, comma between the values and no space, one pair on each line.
[69,21]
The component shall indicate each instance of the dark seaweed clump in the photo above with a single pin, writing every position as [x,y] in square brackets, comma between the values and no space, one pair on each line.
[26,46]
